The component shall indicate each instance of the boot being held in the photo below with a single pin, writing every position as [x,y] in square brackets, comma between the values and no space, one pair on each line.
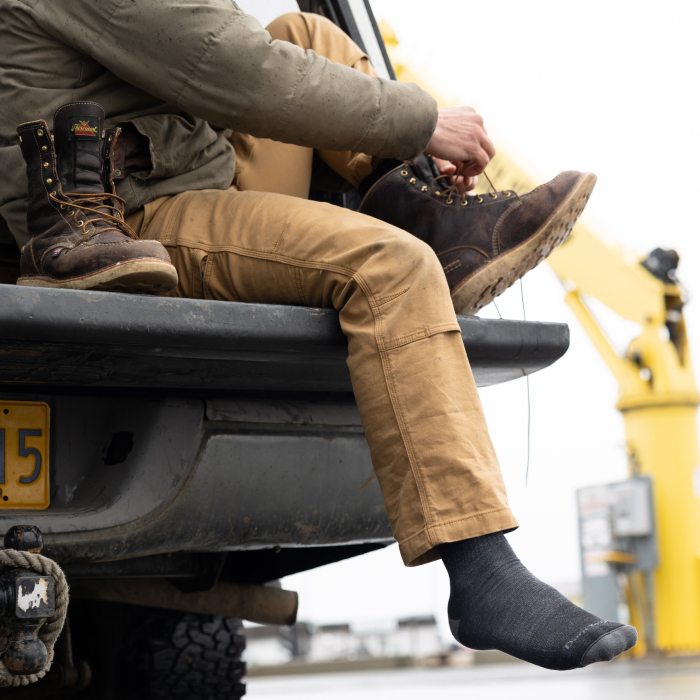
[79,239]
[485,242]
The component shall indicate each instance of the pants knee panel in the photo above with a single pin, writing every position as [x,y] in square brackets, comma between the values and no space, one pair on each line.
[396,261]
[412,253]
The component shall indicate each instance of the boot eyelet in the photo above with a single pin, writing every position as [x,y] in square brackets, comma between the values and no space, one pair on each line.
[507,193]
[80,222]
[44,148]
[404,172]
[463,202]
[39,132]
[493,195]
[413,180]
[424,188]
[437,193]
[449,200]
[63,207]
[49,181]
[479,199]
[46,164]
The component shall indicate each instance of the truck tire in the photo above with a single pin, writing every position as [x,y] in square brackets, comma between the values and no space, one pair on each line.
[180,656]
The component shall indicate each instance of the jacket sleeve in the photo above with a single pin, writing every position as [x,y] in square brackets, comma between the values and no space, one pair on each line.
[210,59]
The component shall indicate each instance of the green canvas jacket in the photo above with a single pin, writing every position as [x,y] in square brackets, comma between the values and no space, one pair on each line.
[184,72]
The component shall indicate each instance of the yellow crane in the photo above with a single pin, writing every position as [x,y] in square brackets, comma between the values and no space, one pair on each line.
[658,400]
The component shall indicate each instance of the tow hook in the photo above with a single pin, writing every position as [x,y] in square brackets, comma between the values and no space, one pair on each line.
[27,600]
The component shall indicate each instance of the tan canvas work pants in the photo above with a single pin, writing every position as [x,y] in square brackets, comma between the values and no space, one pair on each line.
[412,381]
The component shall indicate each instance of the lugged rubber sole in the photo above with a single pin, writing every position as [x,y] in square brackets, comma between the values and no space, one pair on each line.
[140,276]
[493,278]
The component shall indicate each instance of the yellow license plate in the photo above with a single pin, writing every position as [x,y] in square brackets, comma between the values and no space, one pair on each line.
[24,455]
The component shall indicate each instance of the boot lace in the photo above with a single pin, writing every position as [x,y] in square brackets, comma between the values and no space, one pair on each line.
[95,207]
[443,186]
[452,192]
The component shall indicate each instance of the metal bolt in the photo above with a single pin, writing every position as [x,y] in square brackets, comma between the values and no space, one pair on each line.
[26,538]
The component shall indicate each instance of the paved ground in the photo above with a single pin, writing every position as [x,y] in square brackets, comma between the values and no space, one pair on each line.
[677,679]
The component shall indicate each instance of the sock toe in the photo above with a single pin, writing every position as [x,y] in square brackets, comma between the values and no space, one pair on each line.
[496,603]
[610,645]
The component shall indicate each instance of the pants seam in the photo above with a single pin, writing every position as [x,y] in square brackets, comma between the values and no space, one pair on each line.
[206,276]
[480,514]
[269,255]
[278,242]
[391,297]
[300,286]
[400,416]
[409,338]
[426,530]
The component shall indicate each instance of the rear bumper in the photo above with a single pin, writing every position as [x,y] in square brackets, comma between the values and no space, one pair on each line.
[134,476]
[197,426]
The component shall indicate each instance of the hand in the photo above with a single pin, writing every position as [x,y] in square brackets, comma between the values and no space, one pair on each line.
[461,139]
[463,184]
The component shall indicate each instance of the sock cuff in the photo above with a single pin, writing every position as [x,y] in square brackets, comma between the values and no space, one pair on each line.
[467,551]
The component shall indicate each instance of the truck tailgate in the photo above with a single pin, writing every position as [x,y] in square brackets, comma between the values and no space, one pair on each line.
[68,338]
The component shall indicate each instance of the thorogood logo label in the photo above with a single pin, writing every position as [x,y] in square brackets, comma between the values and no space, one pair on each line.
[84,128]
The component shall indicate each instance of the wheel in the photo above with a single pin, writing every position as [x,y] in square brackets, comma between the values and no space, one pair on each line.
[148,654]
[179,656]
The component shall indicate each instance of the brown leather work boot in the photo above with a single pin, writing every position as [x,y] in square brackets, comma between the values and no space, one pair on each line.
[485,242]
[79,237]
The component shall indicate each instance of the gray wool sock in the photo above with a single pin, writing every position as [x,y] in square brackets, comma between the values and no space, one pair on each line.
[496,603]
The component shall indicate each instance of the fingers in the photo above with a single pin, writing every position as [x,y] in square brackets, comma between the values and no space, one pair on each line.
[476,164]
[445,167]
[460,138]
[480,133]
[450,172]
[464,184]
[484,151]
[488,146]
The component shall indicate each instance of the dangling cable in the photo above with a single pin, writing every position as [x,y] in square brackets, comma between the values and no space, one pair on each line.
[498,311]
[529,403]
[525,374]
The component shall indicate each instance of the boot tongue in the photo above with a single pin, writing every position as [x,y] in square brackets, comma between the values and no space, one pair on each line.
[425,168]
[77,129]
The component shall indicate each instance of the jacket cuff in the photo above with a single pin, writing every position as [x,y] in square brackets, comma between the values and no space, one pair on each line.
[404,123]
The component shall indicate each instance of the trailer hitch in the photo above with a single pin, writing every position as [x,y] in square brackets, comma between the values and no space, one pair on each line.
[27,601]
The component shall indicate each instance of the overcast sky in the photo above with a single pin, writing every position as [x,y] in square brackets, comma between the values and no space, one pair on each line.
[609,87]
